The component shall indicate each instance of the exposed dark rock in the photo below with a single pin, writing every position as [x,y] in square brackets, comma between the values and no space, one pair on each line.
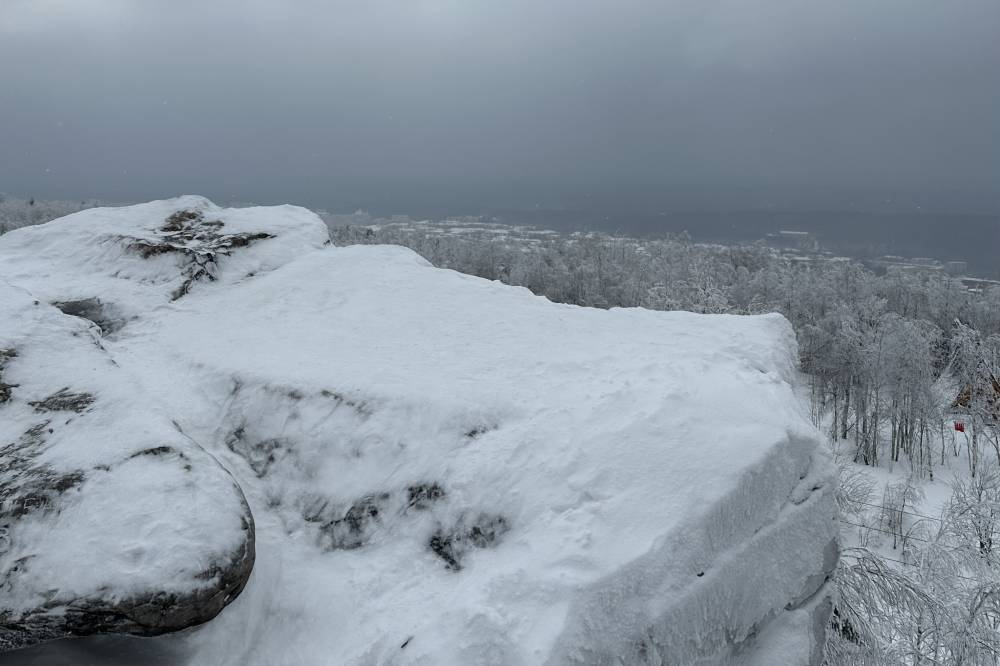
[452,544]
[423,495]
[360,408]
[177,221]
[94,310]
[64,400]
[259,454]
[354,527]
[198,240]
[479,430]
[843,626]
[27,484]
[6,390]
[158,451]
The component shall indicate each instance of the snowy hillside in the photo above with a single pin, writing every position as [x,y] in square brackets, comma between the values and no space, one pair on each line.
[446,470]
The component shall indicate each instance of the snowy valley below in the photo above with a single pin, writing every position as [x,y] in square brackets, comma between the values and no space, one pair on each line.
[307,454]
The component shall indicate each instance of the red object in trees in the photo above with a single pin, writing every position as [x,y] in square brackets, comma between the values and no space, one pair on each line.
[959,426]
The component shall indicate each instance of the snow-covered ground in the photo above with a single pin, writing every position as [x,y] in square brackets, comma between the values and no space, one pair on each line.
[447,470]
[870,525]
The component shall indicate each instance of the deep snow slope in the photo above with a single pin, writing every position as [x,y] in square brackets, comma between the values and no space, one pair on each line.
[446,470]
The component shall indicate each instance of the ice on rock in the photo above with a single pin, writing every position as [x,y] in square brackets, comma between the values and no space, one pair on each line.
[446,470]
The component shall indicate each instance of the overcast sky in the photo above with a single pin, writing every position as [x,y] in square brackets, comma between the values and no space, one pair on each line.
[725,103]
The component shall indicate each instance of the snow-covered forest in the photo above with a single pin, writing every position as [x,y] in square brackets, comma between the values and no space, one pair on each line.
[894,362]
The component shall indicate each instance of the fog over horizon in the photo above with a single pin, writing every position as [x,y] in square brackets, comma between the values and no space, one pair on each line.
[469,106]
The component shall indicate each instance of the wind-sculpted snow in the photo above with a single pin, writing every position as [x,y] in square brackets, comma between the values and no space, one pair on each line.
[445,470]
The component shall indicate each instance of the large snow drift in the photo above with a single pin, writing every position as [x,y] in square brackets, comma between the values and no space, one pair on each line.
[446,470]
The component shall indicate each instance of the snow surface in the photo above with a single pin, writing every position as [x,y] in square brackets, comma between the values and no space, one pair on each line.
[657,489]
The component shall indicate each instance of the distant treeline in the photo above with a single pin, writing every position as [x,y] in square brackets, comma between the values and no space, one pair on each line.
[948,237]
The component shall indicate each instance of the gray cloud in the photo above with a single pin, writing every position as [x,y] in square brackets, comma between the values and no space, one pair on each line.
[475,103]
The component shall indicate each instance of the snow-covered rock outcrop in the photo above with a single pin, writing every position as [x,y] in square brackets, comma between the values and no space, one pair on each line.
[111,518]
[446,470]
[111,264]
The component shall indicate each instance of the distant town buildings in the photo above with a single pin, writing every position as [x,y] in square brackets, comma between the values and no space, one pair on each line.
[800,241]
[979,285]
[919,265]
[956,267]
[357,218]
